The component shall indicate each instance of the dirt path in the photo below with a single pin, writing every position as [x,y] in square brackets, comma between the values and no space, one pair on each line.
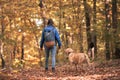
[105,71]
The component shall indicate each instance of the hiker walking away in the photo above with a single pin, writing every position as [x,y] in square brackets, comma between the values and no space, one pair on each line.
[50,37]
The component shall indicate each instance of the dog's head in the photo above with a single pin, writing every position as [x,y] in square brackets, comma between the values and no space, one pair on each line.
[68,50]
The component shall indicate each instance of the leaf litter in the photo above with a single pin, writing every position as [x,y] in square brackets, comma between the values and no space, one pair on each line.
[109,70]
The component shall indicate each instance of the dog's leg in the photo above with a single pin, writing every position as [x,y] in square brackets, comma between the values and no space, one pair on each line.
[76,67]
[69,67]
[87,59]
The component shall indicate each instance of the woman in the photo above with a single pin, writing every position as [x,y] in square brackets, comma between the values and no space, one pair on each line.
[52,49]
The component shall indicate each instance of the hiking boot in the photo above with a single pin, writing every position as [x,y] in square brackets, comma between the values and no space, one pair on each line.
[53,69]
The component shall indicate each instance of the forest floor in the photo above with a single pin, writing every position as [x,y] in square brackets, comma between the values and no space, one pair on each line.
[108,70]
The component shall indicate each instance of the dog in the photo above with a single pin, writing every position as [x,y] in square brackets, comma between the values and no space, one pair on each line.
[77,58]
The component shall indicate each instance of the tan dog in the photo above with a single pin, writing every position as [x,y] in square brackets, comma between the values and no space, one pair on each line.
[77,58]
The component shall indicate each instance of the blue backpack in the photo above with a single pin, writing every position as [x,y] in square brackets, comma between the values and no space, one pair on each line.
[49,38]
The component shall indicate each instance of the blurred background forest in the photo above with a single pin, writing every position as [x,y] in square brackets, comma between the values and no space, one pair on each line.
[79,22]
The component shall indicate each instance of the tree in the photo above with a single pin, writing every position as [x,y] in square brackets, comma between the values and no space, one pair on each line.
[79,23]
[116,49]
[94,27]
[87,18]
[107,28]
[2,38]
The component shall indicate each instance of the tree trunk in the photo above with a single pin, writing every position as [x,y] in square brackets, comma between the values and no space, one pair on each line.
[11,49]
[22,47]
[65,36]
[1,41]
[81,38]
[1,55]
[14,50]
[42,11]
[107,34]
[80,27]
[60,13]
[94,27]
[116,50]
[87,18]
